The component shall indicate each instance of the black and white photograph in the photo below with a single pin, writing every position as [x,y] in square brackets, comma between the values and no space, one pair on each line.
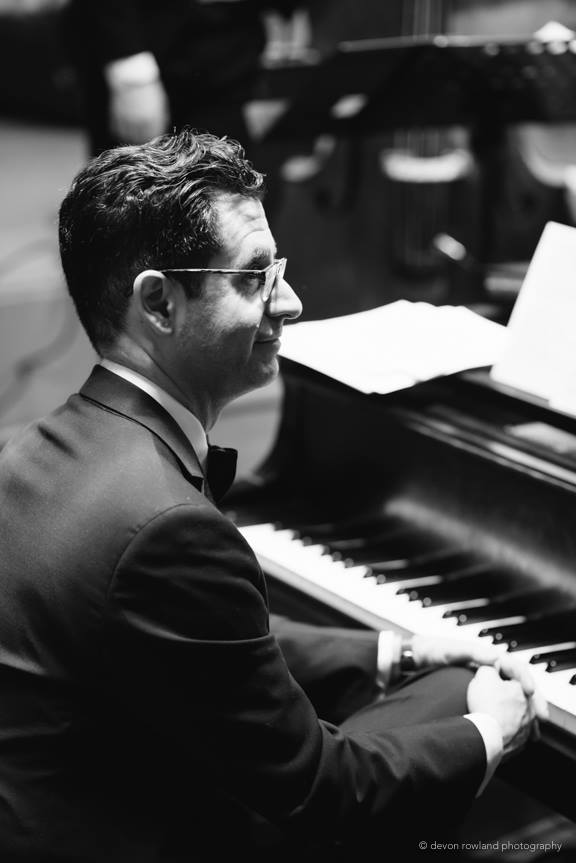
[287,431]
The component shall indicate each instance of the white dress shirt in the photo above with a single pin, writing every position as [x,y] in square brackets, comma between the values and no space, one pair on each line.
[190,425]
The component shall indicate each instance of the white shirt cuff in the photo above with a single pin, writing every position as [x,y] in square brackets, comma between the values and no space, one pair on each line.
[139,69]
[493,743]
[388,653]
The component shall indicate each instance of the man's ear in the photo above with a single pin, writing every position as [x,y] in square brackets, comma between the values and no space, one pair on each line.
[154,296]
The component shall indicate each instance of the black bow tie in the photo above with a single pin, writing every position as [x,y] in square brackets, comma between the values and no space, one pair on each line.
[220,470]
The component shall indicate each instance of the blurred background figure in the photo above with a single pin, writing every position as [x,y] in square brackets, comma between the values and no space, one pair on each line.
[144,67]
[147,66]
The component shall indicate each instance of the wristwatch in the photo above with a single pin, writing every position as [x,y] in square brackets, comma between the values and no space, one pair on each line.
[406,662]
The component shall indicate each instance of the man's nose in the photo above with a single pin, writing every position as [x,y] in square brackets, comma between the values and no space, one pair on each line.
[284,302]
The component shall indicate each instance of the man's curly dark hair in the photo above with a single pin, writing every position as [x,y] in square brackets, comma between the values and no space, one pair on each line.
[145,206]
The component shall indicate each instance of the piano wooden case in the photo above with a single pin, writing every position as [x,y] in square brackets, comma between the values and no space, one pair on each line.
[466,493]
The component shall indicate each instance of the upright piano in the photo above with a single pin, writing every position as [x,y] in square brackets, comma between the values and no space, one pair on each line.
[446,508]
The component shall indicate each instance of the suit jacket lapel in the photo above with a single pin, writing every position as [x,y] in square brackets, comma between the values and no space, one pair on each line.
[116,394]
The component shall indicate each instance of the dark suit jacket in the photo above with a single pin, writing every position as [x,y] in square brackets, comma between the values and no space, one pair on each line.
[146,712]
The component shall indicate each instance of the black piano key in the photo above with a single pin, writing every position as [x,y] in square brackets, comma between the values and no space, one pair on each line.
[361,527]
[536,630]
[453,586]
[405,547]
[353,545]
[517,602]
[556,660]
[560,665]
[476,583]
[436,563]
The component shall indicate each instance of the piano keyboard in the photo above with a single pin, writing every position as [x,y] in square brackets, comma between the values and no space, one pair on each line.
[433,591]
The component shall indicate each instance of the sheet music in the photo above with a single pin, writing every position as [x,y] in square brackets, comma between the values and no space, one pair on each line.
[539,356]
[395,345]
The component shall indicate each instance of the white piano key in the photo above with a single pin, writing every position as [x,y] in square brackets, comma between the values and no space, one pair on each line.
[481,602]
[490,624]
[414,581]
[561,677]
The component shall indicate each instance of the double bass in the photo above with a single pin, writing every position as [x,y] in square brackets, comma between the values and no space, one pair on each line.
[429,172]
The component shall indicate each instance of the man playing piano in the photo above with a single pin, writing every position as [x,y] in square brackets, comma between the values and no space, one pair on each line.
[148,711]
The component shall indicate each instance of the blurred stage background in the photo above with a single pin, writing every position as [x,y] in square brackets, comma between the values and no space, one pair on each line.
[337,219]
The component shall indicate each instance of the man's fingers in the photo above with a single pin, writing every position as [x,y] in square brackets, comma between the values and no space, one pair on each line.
[481,655]
[511,669]
[486,671]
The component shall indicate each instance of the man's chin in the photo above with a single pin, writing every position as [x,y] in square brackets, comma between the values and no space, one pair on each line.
[270,372]
[267,372]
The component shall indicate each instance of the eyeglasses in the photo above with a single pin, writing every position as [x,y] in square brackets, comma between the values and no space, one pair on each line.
[268,278]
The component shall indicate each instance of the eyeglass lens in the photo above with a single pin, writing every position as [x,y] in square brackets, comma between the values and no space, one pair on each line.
[273,277]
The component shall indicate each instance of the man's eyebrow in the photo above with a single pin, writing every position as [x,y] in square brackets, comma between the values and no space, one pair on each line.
[260,259]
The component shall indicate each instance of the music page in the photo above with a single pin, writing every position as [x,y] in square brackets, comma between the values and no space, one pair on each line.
[540,350]
[396,345]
